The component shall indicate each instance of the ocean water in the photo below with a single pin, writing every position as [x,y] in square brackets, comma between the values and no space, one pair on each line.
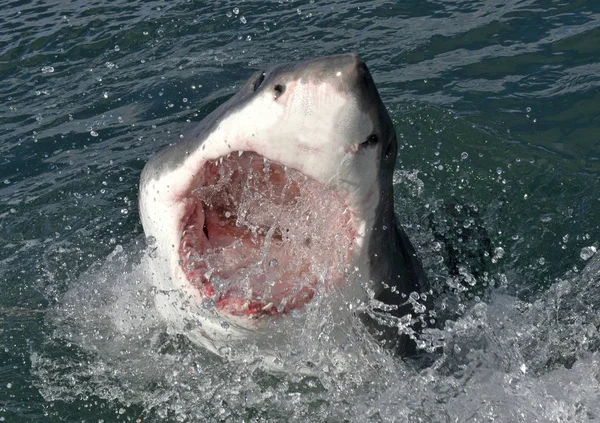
[497,108]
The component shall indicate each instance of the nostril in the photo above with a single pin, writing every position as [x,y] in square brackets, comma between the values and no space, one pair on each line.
[258,81]
[279,90]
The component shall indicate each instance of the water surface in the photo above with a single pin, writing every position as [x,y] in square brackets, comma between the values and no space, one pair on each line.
[497,108]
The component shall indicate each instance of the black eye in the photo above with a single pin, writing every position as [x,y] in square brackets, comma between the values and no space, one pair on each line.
[370,141]
[279,89]
[259,81]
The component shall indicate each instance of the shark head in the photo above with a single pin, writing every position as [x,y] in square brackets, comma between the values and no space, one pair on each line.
[275,196]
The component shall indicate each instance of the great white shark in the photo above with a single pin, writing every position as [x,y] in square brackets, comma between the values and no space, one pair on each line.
[282,194]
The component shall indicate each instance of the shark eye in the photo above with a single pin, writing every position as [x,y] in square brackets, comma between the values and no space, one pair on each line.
[279,90]
[258,81]
[370,141]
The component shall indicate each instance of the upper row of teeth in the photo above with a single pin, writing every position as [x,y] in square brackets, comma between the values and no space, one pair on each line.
[229,155]
[239,153]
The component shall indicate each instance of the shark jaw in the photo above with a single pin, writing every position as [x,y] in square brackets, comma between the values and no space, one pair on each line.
[259,239]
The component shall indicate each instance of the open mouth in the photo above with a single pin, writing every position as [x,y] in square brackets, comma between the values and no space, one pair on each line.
[259,239]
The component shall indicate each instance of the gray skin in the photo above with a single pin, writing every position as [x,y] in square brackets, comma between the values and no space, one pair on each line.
[393,261]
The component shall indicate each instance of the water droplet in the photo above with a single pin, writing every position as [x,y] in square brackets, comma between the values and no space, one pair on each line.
[93,133]
[498,254]
[47,69]
[117,48]
[236,10]
[464,155]
[150,241]
[209,303]
[528,109]
[273,263]
[587,252]
[243,20]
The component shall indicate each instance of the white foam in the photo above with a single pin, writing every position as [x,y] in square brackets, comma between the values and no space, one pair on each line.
[505,360]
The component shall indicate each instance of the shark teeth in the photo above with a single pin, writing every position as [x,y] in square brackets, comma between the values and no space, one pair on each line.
[268,307]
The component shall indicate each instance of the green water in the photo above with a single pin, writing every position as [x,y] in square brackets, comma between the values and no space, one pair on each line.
[497,106]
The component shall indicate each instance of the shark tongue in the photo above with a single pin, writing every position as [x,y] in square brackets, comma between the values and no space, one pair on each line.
[260,238]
